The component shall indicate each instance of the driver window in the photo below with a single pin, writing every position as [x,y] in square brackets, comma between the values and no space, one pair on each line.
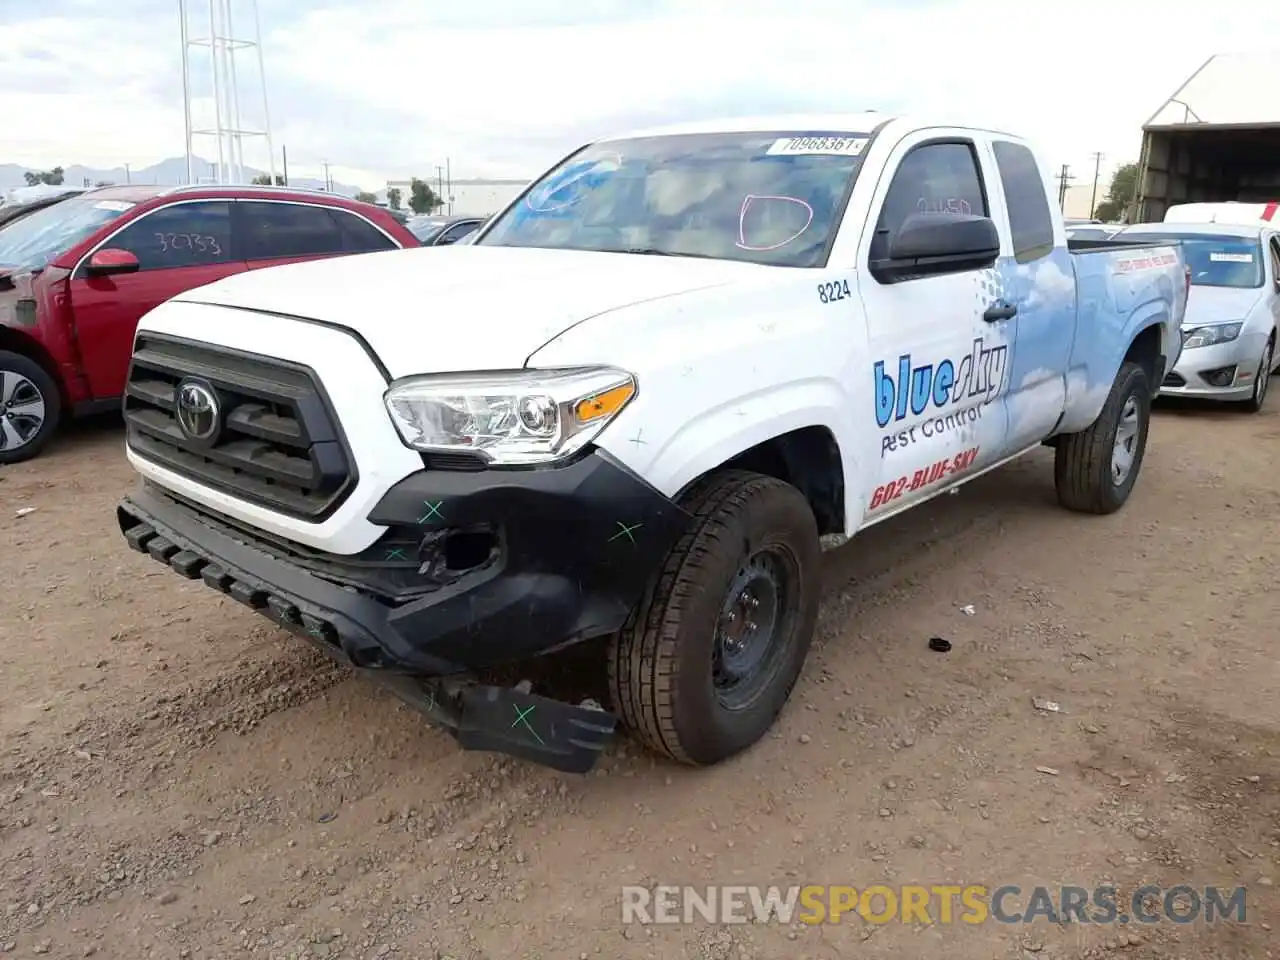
[933,178]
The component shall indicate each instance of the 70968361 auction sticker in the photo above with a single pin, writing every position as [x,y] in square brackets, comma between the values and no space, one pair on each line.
[835,146]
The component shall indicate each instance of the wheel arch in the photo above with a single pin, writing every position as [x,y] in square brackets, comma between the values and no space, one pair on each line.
[15,341]
[808,458]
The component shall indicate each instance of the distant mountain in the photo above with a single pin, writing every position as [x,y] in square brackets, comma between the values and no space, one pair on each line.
[171,172]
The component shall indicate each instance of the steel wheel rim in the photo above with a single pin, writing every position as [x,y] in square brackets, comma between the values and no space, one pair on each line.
[1125,450]
[22,411]
[752,627]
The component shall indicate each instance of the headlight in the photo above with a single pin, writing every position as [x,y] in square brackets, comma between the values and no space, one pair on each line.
[515,417]
[1209,335]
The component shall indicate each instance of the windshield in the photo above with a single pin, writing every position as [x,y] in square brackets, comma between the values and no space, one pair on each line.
[1214,261]
[770,198]
[32,241]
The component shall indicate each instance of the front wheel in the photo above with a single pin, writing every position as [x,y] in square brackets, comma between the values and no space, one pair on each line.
[30,406]
[1095,470]
[708,658]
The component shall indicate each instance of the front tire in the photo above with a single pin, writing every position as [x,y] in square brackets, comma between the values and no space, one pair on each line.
[1095,470]
[1262,379]
[30,408]
[709,657]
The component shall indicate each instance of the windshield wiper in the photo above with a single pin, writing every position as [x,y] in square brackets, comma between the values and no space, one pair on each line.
[655,252]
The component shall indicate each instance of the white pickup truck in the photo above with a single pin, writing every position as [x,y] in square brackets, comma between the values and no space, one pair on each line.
[634,410]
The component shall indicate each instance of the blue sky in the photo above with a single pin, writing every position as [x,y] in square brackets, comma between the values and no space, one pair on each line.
[389,88]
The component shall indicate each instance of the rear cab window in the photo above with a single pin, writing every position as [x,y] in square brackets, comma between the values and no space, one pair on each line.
[1030,222]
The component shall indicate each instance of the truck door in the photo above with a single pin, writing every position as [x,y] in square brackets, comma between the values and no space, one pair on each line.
[179,247]
[1040,282]
[939,367]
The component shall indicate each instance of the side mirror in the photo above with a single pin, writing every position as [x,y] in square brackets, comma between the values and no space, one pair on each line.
[445,241]
[928,244]
[110,261]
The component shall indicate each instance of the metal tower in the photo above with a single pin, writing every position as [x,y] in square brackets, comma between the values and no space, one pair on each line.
[222,85]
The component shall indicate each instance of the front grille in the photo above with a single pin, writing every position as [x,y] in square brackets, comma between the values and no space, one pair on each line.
[1175,380]
[279,445]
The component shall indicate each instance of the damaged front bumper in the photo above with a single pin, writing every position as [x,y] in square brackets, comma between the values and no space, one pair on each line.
[476,570]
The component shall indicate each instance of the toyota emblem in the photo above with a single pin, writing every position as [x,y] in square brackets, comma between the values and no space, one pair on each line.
[197,410]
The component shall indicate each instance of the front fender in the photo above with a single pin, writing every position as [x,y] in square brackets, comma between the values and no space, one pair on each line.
[671,459]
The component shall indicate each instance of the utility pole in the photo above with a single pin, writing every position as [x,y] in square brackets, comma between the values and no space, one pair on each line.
[328,184]
[284,156]
[128,178]
[1097,167]
[440,183]
[448,182]
[1063,177]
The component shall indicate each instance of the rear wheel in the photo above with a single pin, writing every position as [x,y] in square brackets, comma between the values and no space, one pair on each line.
[710,655]
[1095,470]
[1262,379]
[30,407]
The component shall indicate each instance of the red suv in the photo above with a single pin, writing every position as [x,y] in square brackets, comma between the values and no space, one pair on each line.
[76,277]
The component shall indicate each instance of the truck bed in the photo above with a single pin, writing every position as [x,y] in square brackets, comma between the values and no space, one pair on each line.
[1093,246]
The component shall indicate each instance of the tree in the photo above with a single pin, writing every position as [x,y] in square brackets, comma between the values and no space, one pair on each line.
[105,183]
[364,196]
[264,180]
[422,199]
[1119,194]
[393,198]
[51,177]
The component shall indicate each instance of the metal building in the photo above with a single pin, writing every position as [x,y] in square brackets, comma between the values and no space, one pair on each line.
[1217,138]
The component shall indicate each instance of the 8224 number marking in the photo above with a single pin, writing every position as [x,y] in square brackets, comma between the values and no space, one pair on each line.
[925,477]
[833,291]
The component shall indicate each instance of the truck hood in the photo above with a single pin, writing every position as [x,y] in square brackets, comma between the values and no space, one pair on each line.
[1219,305]
[464,308]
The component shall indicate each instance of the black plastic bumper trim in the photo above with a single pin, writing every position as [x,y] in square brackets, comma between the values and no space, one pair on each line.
[580,544]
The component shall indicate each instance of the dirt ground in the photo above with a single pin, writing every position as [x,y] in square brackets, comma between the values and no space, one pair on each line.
[180,779]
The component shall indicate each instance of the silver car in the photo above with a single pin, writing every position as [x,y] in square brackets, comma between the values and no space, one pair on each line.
[1233,310]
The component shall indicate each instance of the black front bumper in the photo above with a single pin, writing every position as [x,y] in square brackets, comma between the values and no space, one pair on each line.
[571,552]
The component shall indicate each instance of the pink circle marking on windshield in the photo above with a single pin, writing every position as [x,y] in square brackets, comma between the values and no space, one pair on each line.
[748,200]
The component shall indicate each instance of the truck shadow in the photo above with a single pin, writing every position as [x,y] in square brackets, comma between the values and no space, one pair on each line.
[1019,493]
[93,431]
